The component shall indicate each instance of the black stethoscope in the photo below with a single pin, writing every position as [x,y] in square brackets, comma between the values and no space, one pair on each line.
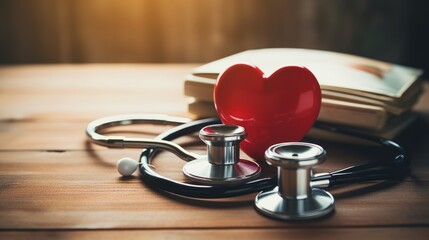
[293,194]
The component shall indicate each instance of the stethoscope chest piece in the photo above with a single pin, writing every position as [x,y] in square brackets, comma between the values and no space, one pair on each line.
[223,165]
[294,199]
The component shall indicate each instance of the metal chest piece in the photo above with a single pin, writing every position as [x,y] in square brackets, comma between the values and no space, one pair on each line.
[294,199]
[223,165]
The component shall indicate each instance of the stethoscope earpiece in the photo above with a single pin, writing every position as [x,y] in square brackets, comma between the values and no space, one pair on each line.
[127,166]
[294,198]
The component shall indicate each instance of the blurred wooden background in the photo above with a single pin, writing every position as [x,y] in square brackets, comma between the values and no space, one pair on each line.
[86,31]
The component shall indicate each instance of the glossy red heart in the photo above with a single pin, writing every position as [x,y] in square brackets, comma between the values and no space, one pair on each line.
[279,108]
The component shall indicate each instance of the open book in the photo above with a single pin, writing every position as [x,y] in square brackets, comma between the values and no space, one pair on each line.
[356,91]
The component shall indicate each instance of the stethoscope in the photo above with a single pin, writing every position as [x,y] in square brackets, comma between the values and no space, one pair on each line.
[294,194]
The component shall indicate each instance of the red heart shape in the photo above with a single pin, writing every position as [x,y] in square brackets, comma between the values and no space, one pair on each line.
[279,108]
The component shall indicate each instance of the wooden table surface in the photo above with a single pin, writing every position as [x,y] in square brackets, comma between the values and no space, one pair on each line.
[54,184]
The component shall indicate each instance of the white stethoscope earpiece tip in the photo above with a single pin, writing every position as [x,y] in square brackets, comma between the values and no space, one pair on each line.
[127,166]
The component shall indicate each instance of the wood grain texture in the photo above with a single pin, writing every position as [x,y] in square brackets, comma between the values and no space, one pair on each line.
[251,234]
[70,92]
[83,189]
[55,184]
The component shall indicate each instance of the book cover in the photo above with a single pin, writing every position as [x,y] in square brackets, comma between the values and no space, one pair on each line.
[335,71]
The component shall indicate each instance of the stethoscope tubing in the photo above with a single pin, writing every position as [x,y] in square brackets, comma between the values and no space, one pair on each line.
[395,168]
[370,171]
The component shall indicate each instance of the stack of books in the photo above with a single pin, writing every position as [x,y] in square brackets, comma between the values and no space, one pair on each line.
[358,92]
